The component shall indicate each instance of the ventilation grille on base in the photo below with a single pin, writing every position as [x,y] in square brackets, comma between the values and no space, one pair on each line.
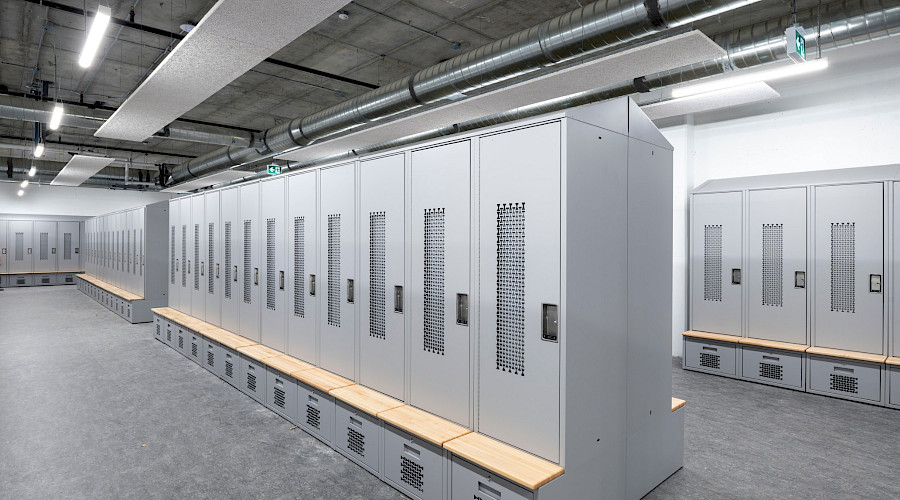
[299,267]
[710,361]
[411,473]
[772,371]
[271,280]
[20,247]
[376,275]
[172,256]
[157,330]
[334,270]
[313,416]
[434,281]
[279,397]
[772,264]
[511,288]
[184,256]
[180,342]
[228,275]
[229,369]
[844,383]
[67,246]
[196,257]
[843,267]
[248,249]
[712,262]
[356,442]
[210,358]
[211,259]
[251,382]
[168,335]
[194,349]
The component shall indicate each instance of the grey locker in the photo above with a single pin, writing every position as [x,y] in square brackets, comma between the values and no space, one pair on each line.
[186,270]
[315,412]
[231,261]
[197,258]
[412,465]
[281,394]
[213,358]
[382,278]
[894,384]
[440,251]
[4,249]
[45,233]
[895,345]
[770,366]
[174,254]
[142,250]
[195,349]
[468,481]
[519,371]
[711,356]
[68,255]
[304,287]
[272,262]
[213,252]
[845,378]
[716,269]
[20,247]
[231,367]
[849,236]
[253,379]
[250,278]
[133,259]
[337,267]
[776,272]
[358,436]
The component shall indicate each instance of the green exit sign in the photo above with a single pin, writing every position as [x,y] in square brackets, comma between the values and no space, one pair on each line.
[795,43]
[274,169]
[800,45]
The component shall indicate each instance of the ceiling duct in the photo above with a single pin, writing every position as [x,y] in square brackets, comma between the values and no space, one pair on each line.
[600,25]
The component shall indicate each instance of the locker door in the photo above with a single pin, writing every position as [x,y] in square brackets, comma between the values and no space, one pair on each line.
[382,278]
[520,284]
[185,242]
[45,246]
[174,254]
[140,216]
[69,251]
[213,282]
[20,246]
[303,287]
[250,261]
[198,257]
[849,267]
[776,276]
[231,262]
[337,265]
[272,251]
[4,249]
[716,253]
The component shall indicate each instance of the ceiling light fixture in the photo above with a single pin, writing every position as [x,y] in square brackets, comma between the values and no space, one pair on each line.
[56,117]
[38,150]
[187,27]
[21,192]
[95,36]
[780,72]
[24,184]
[33,170]
[343,15]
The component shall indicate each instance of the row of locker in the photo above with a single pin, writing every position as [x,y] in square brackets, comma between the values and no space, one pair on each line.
[37,279]
[133,311]
[39,246]
[803,265]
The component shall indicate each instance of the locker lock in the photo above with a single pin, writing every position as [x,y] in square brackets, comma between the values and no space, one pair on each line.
[550,323]
[799,279]
[736,276]
[875,283]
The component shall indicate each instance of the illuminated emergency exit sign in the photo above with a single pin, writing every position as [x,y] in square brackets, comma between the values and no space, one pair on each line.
[274,169]
[795,43]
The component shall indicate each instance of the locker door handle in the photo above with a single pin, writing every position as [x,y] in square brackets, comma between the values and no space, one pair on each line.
[736,276]
[486,492]
[189,267]
[875,283]
[409,450]
[235,274]
[217,271]
[29,251]
[550,323]
[462,309]
[53,251]
[202,268]
[799,279]
[256,276]
[350,291]
[312,285]
[398,299]
[281,280]
[176,264]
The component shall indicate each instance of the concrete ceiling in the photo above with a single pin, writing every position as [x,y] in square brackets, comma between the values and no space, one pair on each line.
[381,41]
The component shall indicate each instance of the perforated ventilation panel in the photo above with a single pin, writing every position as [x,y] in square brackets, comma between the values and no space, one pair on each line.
[356,442]
[67,246]
[172,256]
[411,473]
[299,267]
[180,342]
[376,274]
[228,275]
[712,262]
[771,371]
[251,382]
[183,256]
[194,349]
[140,248]
[843,267]
[248,249]
[511,288]
[313,417]
[844,383]
[334,270]
[271,281]
[196,257]
[45,246]
[211,259]
[229,369]
[434,281]
[20,247]
[772,264]
[278,397]
[710,361]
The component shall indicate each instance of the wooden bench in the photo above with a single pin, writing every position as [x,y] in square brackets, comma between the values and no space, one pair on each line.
[772,344]
[712,336]
[123,294]
[677,404]
[893,361]
[420,423]
[365,399]
[856,356]
[500,458]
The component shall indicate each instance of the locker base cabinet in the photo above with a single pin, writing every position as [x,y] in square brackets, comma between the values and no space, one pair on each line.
[894,383]
[414,466]
[846,379]
[711,356]
[316,412]
[774,367]
[130,308]
[357,436]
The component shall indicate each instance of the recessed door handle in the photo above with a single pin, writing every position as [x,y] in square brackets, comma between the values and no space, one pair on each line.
[736,276]
[202,268]
[217,271]
[350,291]
[235,274]
[281,280]
[256,276]
[312,285]
[398,299]
[875,283]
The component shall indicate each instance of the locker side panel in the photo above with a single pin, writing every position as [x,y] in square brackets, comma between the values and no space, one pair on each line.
[776,276]
[304,285]
[716,253]
[382,278]
[249,261]
[44,246]
[231,260]
[337,264]
[272,254]
[519,378]
[849,254]
[174,257]
[68,252]
[212,283]
[21,246]
[441,232]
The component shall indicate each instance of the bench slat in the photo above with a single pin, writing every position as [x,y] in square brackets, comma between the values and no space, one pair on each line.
[320,379]
[838,353]
[423,424]
[513,464]
[712,336]
[365,399]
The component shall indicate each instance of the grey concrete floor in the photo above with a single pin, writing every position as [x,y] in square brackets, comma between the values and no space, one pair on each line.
[92,407]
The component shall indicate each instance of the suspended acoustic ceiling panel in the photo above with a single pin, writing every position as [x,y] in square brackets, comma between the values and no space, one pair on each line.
[79,169]
[663,55]
[209,180]
[232,38]
[725,98]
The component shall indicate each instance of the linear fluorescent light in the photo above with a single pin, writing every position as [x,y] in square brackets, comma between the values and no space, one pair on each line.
[95,36]
[756,76]
[24,183]
[56,117]
[32,170]
[21,192]
[38,150]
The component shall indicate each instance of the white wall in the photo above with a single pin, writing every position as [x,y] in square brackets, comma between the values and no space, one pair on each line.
[70,201]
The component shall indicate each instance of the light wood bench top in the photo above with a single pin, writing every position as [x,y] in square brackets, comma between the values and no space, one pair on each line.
[513,464]
[287,364]
[39,272]
[893,361]
[677,404]
[423,424]
[772,344]
[322,380]
[124,294]
[712,336]
[259,352]
[365,399]
[165,312]
[226,338]
[838,353]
